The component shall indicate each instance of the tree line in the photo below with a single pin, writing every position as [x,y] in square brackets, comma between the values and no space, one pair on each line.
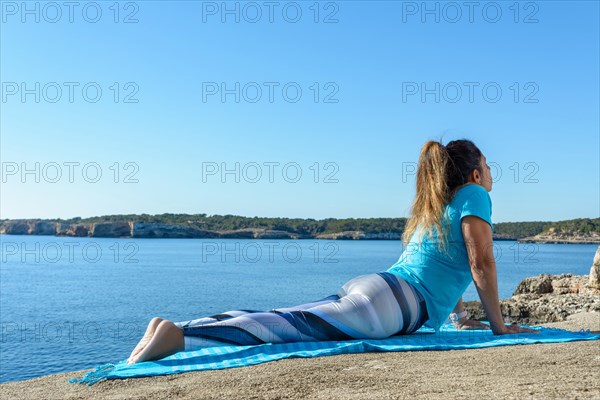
[308,226]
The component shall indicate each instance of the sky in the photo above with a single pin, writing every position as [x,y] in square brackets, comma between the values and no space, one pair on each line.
[294,109]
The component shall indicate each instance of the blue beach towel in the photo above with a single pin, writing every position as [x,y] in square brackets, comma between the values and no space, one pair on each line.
[228,356]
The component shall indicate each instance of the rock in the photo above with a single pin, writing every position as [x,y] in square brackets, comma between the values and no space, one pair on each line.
[537,284]
[238,234]
[274,234]
[345,235]
[503,236]
[553,235]
[360,235]
[256,233]
[111,229]
[594,282]
[382,236]
[29,227]
[44,228]
[156,230]
[18,227]
[62,229]
[77,230]
[82,230]
[544,298]
[568,283]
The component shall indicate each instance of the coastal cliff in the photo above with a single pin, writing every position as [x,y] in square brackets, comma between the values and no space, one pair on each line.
[136,230]
[360,235]
[159,230]
[583,230]
[557,235]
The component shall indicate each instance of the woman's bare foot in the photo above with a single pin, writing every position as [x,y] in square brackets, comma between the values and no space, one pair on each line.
[167,340]
[146,338]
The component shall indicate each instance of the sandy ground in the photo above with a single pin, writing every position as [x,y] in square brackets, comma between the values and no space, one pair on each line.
[540,371]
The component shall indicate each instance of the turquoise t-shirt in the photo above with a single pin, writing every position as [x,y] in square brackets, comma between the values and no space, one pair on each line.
[443,278]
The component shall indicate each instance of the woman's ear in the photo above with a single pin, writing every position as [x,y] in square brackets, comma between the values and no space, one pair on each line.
[474,177]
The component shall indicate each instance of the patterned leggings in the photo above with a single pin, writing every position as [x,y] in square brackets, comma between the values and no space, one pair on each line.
[372,306]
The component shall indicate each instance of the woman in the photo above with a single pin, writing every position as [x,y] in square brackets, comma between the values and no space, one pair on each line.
[449,243]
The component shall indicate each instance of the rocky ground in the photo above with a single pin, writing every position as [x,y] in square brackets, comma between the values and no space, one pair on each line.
[539,371]
[544,298]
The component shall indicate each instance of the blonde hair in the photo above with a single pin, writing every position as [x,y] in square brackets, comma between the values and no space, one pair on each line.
[441,170]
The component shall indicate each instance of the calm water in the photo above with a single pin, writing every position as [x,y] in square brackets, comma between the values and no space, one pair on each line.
[73,303]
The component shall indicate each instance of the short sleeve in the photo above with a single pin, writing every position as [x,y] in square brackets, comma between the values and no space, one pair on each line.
[478,204]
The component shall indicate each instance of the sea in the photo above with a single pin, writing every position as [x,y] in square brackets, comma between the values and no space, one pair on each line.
[69,303]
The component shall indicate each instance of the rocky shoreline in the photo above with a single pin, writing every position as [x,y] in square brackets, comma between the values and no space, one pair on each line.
[131,229]
[549,298]
[552,235]
[545,298]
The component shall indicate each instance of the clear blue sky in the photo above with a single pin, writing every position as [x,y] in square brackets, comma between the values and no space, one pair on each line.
[370,57]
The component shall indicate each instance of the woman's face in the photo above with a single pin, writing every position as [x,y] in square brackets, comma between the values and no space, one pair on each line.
[484,179]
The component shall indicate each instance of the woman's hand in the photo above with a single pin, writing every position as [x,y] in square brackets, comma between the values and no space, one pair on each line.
[470,324]
[514,328]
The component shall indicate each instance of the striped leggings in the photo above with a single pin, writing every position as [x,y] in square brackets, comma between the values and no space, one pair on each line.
[371,306]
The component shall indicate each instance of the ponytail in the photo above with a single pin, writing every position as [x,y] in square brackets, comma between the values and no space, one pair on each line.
[440,172]
[432,193]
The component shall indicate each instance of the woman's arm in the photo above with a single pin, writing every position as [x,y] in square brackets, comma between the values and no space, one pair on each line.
[465,322]
[477,234]
[459,306]
[478,239]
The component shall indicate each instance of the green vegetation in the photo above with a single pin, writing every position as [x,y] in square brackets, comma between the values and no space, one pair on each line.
[583,226]
[521,229]
[233,222]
